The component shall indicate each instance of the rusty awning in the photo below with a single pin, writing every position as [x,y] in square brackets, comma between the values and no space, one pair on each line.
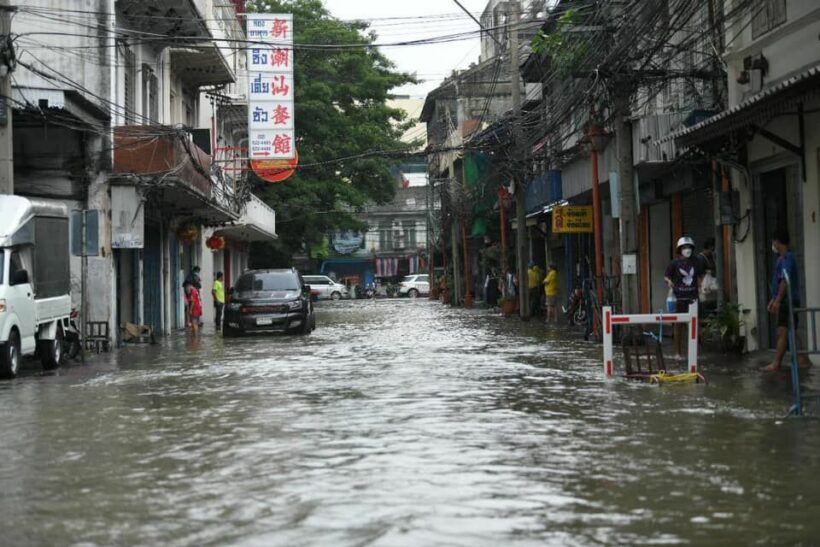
[784,97]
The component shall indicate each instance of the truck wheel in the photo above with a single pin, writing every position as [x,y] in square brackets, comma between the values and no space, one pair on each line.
[51,351]
[336,295]
[10,356]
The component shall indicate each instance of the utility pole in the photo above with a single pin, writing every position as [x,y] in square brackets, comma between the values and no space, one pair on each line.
[6,56]
[630,294]
[522,241]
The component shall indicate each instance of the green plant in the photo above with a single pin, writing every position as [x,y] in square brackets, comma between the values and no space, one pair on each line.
[724,323]
[565,46]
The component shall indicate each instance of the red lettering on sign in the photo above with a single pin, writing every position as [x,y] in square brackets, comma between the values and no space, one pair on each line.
[281,115]
[280,57]
[279,86]
[281,144]
[280,28]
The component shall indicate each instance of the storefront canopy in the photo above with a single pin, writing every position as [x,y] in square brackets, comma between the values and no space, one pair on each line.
[754,112]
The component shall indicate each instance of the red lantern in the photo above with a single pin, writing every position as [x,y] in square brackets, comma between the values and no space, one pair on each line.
[187,233]
[215,243]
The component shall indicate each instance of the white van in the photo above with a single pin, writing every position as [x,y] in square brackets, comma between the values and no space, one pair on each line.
[325,288]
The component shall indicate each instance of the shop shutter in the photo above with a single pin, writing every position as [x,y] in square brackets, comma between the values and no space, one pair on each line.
[698,216]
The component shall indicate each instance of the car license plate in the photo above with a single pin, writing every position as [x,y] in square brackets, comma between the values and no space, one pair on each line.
[261,321]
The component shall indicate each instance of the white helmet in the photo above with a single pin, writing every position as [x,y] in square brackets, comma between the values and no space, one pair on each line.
[684,241]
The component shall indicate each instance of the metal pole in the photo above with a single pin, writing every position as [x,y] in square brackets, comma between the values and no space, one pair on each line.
[596,217]
[83,267]
[467,281]
[6,148]
[522,243]
[502,195]
[630,294]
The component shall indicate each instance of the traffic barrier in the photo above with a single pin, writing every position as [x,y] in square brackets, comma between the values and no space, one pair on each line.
[610,321]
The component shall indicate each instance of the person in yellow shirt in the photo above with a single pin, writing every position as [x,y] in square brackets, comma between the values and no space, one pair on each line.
[551,292]
[218,292]
[534,281]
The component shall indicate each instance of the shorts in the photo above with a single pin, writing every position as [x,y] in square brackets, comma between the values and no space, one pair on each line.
[552,300]
[783,315]
[195,318]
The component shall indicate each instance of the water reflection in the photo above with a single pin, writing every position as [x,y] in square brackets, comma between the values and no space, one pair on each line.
[398,423]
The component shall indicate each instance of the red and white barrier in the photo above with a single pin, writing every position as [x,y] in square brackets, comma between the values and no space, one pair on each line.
[610,321]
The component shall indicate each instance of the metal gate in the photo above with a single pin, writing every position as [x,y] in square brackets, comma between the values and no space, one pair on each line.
[152,277]
[173,244]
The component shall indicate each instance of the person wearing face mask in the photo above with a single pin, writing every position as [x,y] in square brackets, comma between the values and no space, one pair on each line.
[682,276]
[780,306]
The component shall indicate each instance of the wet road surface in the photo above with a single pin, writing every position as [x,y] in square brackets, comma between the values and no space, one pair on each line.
[399,423]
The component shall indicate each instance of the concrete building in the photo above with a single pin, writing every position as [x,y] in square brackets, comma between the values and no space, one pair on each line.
[115,118]
[767,142]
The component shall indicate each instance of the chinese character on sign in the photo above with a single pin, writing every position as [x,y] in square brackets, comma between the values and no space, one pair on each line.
[259,56]
[258,86]
[281,115]
[280,29]
[280,57]
[260,114]
[281,144]
[280,86]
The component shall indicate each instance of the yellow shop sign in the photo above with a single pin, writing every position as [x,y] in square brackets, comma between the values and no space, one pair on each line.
[572,219]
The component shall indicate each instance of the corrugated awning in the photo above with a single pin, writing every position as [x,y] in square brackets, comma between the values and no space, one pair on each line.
[71,101]
[757,109]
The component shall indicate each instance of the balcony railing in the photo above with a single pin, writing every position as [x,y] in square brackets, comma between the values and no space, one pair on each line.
[169,158]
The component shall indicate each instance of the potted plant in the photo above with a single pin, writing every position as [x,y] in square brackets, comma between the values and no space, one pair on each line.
[724,327]
[507,304]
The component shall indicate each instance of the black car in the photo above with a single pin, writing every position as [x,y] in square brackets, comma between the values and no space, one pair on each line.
[269,301]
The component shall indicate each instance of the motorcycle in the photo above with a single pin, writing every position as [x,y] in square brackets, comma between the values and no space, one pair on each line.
[576,310]
[72,344]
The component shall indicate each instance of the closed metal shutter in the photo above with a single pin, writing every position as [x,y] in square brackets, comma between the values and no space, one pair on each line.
[152,278]
[698,216]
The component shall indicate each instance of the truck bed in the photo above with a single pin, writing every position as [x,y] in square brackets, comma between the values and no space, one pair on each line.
[49,309]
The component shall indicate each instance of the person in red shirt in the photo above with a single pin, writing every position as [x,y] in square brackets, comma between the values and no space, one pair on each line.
[193,305]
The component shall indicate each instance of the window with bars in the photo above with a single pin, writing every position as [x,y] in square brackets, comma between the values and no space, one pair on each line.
[150,95]
[385,235]
[767,15]
[409,233]
[130,83]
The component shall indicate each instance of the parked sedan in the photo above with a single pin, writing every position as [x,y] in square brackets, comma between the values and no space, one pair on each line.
[270,301]
[415,285]
[325,288]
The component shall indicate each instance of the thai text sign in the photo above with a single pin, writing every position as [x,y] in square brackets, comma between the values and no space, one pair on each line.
[271,128]
[572,219]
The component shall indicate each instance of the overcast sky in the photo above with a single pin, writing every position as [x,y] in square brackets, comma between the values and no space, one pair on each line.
[402,20]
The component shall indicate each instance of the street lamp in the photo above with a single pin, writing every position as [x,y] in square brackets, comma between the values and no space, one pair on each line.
[597,139]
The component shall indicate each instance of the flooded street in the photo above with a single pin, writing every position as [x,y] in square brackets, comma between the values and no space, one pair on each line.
[399,423]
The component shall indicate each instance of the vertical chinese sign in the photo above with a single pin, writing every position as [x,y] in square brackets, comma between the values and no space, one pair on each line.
[271,129]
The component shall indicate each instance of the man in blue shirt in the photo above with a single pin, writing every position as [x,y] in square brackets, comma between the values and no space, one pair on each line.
[779,305]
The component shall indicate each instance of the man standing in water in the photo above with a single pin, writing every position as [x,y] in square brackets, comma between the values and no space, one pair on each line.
[551,293]
[218,292]
[780,306]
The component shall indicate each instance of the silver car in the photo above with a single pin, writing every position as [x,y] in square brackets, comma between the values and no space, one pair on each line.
[325,288]
[415,285]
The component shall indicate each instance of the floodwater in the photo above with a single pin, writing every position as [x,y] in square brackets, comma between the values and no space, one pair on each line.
[400,423]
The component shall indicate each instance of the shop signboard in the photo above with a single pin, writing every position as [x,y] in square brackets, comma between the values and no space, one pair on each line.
[270,87]
[572,219]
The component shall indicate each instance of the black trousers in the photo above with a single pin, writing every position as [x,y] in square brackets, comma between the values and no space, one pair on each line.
[218,314]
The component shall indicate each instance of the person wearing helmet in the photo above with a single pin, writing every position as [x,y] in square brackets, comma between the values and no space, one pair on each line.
[682,276]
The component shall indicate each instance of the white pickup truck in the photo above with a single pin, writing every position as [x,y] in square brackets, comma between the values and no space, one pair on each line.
[35,282]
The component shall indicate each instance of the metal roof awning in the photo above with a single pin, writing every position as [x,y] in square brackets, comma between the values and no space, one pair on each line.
[37,100]
[756,110]
[201,65]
